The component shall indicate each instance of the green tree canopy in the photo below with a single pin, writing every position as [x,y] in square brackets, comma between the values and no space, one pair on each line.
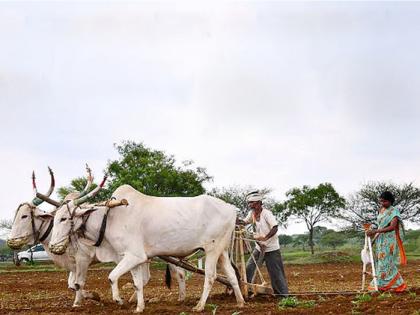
[285,240]
[363,205]
[313,206]
[300,240]
[331,238]
[151,172]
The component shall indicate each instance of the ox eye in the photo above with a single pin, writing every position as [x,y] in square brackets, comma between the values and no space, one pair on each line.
[24,216]
[63,219]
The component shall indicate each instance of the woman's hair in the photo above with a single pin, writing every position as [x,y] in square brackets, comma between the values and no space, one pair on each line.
[387,195]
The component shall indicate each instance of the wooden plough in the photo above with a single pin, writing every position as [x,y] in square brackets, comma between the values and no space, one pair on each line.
[237,253]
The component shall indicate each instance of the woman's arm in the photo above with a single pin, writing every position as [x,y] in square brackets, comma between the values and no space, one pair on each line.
[391,227]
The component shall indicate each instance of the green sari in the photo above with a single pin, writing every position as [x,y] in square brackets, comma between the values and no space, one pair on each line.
[389,253]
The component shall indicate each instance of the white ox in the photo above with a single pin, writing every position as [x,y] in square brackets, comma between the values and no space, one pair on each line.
[31,225]
[153,226]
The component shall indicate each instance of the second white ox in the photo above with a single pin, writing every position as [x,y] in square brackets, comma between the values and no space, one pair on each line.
[153,226]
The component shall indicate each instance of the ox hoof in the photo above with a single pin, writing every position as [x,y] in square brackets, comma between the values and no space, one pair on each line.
[76,305]
[198,308]
[119,301]
[139,309]
[240,304]
[181,299]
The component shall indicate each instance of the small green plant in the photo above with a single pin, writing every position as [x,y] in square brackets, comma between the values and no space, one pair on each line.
[412,294]
[362,298]
[384,296]
[213,308]
[290,301]
[236,313]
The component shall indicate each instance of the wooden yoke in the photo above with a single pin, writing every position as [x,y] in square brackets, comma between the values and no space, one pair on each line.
[114,203]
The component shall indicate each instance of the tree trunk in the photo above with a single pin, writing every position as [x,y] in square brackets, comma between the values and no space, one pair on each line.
[311,240]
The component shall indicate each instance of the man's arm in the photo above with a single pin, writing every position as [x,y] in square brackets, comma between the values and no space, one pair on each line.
[239,221]
[270,234]
[245,221]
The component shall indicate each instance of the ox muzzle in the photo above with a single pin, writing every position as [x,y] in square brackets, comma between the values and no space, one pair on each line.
[17,242]
[59,248]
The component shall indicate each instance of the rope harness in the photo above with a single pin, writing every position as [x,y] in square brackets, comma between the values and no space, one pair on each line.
[35,233]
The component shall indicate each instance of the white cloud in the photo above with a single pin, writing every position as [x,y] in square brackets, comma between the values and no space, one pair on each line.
[265,93]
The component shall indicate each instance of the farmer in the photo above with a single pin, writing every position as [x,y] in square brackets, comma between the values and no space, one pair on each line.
[389,247]
[267,246]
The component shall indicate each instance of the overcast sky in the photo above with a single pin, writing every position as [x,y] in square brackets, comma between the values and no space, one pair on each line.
[270,94]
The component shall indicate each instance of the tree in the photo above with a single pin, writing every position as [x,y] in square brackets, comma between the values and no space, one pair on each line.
[300,240]
[151,172]
[77,185]
[285,240]
[313,205]
[332,239]
[362,206]
[236,195]
[5,227]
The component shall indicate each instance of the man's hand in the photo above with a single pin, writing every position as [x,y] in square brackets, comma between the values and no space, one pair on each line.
[260,238]
[240,222]
[371,233]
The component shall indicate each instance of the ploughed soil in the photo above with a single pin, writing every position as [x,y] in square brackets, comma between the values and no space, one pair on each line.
[45,292]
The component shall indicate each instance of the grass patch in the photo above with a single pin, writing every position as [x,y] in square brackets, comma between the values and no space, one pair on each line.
[319,257]
[212,308]
[362,298]
[293,302]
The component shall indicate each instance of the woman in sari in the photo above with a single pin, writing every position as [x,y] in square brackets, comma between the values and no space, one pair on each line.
[389,247]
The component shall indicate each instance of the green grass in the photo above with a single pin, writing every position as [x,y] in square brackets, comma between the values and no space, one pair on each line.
[293,302]
[362,298]
[301,257]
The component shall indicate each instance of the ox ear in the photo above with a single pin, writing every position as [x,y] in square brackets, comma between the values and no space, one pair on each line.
[43,214]
[84,211]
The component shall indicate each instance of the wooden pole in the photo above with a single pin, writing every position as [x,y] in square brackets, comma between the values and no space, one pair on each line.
[243,266]
[189,267]
[373,265]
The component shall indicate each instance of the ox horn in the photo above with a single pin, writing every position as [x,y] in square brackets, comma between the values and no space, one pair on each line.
[89,182]
[47,199]
[37,200]
[93,193]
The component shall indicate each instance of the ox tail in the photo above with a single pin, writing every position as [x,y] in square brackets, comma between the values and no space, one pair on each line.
[238,275]
[168,277]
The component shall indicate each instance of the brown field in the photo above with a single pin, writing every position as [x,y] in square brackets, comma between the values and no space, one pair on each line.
[42,292]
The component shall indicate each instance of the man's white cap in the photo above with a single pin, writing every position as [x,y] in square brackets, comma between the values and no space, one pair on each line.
[254,196]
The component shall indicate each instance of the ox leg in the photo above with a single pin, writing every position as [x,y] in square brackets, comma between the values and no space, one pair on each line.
[231,275]
[210,276]
[70,281]
[73,286]
[179,274]
[145,268]
[82,265]
[137,274]
[125,265]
